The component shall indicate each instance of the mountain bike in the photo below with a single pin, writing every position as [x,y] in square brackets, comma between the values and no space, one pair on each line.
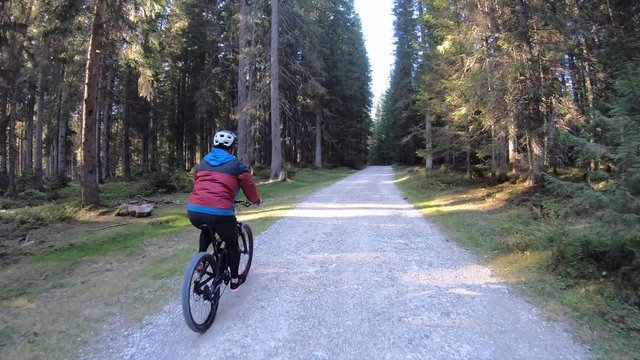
[207,276]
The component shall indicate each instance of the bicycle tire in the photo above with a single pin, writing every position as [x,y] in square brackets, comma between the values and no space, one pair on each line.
[200,293]
[245,245]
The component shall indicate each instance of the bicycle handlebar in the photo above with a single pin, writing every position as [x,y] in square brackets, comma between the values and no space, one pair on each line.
[245,202]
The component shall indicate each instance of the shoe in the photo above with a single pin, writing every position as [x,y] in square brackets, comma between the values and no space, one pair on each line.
[233,286]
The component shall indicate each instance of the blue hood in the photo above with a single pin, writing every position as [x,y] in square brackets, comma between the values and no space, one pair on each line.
[218,157]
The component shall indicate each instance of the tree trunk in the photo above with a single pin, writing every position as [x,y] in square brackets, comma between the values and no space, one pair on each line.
[13,153]
[28,138]
[276,140]
[39,181]
[105,172]
[131,95]
[318,157]
[535,153]
[428,143]
[61,149]
[243,117]
[89,184]
[154,158]
[3,145]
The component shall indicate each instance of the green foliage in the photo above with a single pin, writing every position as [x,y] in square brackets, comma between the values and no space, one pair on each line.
[519,232]
[290,169]
[261,172]
[56,183]
[177,181]
[26,180]
[8,203]
[37,216]
[33,197]
[146,185]
[591,252]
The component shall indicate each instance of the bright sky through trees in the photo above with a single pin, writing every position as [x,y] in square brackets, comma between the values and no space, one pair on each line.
[377,25]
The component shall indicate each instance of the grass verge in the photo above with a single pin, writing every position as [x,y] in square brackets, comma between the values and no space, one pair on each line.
[70,280]
[497,224]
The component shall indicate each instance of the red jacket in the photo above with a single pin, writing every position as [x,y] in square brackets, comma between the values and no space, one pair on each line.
[217,181]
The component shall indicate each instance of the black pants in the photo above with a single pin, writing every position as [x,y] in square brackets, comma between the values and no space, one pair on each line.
[226,227]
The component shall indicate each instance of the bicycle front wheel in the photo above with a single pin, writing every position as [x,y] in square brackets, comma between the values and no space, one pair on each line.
[245,244]
[200,292]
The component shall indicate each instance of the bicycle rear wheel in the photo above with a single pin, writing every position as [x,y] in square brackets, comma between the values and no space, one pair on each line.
[245,244]
[200,292]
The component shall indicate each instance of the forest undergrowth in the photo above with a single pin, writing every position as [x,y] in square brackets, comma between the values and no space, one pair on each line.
[572,250]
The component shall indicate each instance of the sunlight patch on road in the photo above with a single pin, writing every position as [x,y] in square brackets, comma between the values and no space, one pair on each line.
[333,210]
[397,180]
[336,213]
[354,206]
[468,275]
[350,257]
[463,291]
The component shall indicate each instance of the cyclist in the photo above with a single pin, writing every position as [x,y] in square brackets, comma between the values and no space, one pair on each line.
[216,182]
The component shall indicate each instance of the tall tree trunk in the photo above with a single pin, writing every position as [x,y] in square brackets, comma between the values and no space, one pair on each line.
[276,139]
[318,158]
[532,96]
[28,138]
[513,144]
[89,184]
[15,48]
[155,132]
[61,141]
[13,153]
[4,181]
[499,153]
[105,172]
[244,151]
[428,143]
[126,149]
[131,95]
[39,181]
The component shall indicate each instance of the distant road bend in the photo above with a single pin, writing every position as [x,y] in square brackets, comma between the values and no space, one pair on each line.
[354,272]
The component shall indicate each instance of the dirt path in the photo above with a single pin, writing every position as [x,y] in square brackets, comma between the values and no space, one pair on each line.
[355,273]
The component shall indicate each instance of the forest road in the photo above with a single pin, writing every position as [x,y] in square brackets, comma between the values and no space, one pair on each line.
[355,272]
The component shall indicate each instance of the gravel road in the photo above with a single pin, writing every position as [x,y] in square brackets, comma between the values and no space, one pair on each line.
[354,272]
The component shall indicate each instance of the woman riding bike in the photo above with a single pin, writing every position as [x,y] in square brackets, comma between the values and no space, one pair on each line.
[216,182]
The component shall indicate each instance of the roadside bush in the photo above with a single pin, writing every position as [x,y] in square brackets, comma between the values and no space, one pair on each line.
[160,182]
[26,180]
[519,233]
[261,172]
[32,197]
[56,183]
[38,215]
[8,203]
[590,252]
[290,169]
[118,190]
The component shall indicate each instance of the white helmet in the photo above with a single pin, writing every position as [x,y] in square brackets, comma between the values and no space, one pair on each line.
[224,139]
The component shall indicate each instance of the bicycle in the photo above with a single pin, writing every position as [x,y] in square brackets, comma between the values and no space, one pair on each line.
[203,284]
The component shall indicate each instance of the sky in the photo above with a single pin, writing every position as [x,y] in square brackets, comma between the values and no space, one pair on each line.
[377,25]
